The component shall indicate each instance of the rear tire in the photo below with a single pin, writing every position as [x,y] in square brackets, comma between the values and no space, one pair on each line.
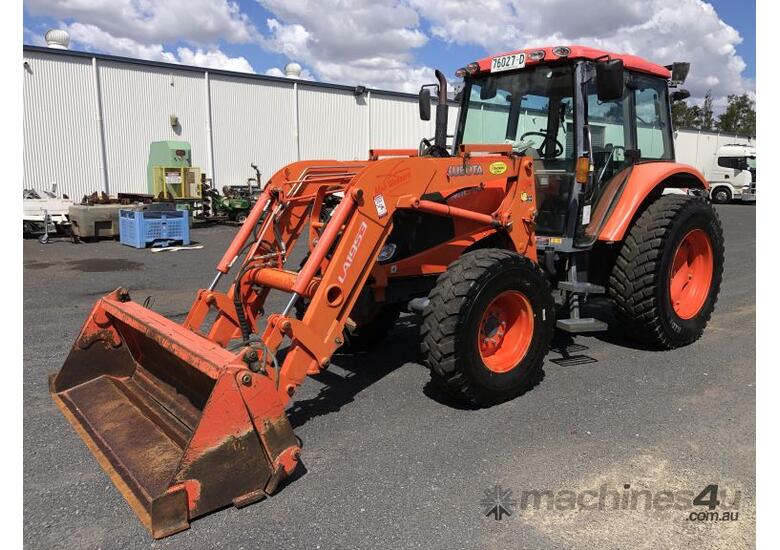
[496,287]
[674,231]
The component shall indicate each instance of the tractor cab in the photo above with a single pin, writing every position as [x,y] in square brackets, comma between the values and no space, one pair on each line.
[583,115]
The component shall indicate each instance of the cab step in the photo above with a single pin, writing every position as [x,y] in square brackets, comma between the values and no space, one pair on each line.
[581,325]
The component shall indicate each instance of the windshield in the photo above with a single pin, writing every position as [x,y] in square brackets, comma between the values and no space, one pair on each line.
[533,105]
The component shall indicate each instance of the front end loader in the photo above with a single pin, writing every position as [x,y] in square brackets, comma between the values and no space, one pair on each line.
[495,241]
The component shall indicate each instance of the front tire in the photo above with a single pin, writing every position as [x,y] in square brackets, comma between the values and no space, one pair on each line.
[488,326]
[666,279]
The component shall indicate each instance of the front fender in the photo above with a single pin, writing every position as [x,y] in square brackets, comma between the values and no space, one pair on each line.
[626,193]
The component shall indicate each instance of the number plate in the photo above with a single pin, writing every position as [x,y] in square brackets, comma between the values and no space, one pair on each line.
[507,62]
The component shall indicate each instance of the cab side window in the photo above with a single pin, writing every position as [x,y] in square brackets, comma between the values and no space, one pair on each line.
[652,118]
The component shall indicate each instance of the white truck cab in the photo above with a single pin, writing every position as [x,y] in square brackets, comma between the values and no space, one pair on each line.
[732,175]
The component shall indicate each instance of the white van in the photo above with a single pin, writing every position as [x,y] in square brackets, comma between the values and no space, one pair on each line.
[732,175]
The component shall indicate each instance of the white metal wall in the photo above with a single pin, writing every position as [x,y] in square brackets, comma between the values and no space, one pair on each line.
[396,124]
[333,124]
[252,120]
[60,124]
[137,106]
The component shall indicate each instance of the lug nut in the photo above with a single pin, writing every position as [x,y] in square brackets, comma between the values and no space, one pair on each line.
[246,379]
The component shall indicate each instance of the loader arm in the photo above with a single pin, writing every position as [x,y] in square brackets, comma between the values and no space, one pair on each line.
[187,418]
[344,256]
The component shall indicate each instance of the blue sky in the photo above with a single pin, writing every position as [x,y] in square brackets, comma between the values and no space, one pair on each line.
[395,44]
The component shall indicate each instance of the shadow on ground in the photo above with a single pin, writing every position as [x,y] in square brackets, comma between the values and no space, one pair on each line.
[361,370]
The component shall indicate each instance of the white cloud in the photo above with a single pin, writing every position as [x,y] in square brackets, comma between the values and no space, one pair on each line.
[97,39]
[350,41]
[200,22]
[290,40]
[663,31]
[213,59]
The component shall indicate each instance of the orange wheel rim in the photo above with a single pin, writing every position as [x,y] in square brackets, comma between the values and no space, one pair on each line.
[505,331]
[691,274]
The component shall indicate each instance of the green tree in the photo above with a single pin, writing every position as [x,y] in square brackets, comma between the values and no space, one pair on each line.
[739,116]
[707,121]
[685,116]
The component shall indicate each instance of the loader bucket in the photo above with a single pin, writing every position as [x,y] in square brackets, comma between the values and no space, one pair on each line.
[179,423]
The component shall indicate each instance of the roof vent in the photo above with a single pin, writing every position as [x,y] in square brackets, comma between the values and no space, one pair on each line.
[292,70]
[58,39]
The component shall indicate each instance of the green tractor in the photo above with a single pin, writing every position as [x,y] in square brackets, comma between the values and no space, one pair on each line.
[235,207]
[236,201]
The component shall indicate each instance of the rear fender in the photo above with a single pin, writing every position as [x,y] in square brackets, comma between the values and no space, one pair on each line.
[626,193]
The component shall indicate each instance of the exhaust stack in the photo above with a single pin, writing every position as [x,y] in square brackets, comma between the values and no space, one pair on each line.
[440,139]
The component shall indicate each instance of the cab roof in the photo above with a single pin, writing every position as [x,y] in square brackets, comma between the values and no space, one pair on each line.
[631,62]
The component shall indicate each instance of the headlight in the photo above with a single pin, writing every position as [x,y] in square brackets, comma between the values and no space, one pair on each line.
[386,253]
[561,51]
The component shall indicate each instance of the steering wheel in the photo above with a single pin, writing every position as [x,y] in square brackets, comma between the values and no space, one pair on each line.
[542,149]
[428,149]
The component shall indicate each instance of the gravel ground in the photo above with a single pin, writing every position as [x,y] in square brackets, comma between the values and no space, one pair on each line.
[392,463]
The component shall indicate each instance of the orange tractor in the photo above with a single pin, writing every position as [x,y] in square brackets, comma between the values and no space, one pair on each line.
[560,185]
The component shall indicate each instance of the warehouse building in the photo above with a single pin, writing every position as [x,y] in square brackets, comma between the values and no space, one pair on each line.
[89,120]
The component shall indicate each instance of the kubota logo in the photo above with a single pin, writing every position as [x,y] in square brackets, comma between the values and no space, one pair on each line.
[352,251]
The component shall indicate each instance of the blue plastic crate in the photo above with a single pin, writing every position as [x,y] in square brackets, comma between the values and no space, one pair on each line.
[139,228]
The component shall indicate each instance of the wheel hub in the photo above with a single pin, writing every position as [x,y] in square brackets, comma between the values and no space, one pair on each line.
[691,274]
[492,331]
[505,331]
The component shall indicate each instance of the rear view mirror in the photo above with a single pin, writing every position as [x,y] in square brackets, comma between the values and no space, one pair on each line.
[425,104]
[679,95]
[609,79]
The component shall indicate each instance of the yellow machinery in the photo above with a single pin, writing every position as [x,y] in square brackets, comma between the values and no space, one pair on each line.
[176,182]
[170,174]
